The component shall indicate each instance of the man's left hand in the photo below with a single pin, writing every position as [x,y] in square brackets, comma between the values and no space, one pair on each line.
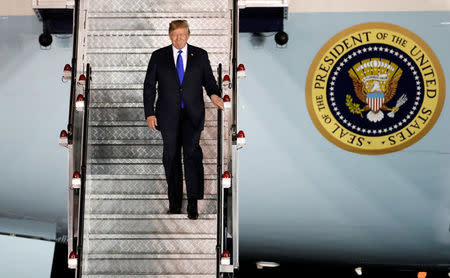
[217,101]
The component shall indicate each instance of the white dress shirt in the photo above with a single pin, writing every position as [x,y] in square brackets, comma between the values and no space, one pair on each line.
[183,55]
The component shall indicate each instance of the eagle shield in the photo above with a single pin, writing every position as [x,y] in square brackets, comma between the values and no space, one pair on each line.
[375,83]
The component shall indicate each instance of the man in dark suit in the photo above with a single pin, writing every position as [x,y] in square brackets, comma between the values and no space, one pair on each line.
[178,72]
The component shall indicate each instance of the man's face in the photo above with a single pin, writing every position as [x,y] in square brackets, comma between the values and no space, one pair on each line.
[179,37]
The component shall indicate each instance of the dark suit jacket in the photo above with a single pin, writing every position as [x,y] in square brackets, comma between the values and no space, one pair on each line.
[162,76]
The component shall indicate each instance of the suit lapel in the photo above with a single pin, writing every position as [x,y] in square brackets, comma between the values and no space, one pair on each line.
[190,57]
[170,61]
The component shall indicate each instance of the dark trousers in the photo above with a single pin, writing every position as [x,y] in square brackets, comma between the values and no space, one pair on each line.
[183,135]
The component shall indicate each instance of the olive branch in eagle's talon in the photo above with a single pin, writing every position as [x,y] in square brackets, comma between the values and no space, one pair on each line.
[353,107]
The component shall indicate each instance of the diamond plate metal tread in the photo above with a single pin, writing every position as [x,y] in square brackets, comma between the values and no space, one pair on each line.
[146,266]
[123,86]
[136,160]
[150,223]
[150,276]
[112,40]
[153,256]
[130,186]
[209,106]
[155,6]
[124,15]
[139,151]
[150,216]
[125,77]
[151,31]
[156,142]
[209,23]
[139,197]
[108,99]
[148,50]
[151,236]
[141,123]
[136,177]
[137,169]
[115,96]
[126,96]
[106,61]
[138,133]
[142,67]
[142,204]
[205,142]
[150,246]
[133,114]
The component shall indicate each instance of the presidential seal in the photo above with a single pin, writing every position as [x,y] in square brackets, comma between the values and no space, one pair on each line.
[375,88]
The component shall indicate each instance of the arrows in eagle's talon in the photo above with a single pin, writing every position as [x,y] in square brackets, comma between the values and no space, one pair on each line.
[399,103]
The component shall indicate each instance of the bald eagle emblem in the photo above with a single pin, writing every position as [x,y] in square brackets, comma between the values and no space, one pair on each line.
[375,83]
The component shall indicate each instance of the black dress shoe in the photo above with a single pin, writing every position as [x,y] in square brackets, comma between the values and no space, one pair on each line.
[174,209]
[192,209]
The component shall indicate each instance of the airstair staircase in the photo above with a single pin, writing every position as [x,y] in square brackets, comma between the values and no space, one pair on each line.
[118,221]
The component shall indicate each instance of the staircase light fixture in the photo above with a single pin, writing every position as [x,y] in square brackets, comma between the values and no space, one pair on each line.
[79,104]
[67,73]
[73,259]
[76,180]
[226,179]
[240,138]
[82,80]
[63,139]
[226,101]
[241,72]
[225,258]
[226,81]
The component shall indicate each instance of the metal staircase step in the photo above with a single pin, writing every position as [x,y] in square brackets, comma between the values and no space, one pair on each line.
[136,177]
[107,61]
[147,50]
[137,169]
[205,142]
[135,123]
[141,149]
[121,86]
[150,223]
[150,266]
[144,216]
[138,133]
[128,69]
[116,40]
[152,236]
[126,77]
[153,15]
[137,160]
[129,186]
[153,256]
[158,6]
[150,246]
[127,97]
[209,106]
[150,276]
[137,197]
[131,113]
[122,30]
[142,204]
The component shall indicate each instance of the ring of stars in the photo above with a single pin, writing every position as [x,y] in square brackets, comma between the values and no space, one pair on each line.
[383,130]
